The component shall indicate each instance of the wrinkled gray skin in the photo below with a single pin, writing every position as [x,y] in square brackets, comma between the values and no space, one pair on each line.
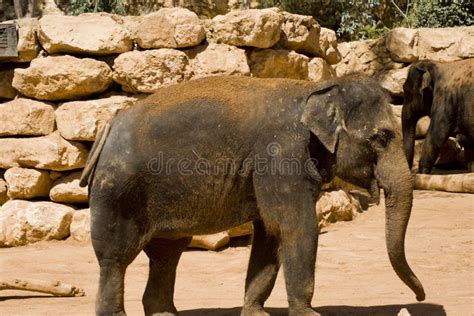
[137,204]
[445,93]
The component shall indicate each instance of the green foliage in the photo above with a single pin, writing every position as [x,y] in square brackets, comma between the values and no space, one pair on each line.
[77,7]
[440,13]
[362,19]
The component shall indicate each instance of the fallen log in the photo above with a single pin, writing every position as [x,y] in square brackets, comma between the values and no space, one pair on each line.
[56,288]
[460,183]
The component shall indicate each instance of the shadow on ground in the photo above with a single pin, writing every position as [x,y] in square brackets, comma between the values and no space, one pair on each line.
[421,309]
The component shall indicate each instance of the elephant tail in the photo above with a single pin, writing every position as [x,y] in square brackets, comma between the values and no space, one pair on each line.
[94,154]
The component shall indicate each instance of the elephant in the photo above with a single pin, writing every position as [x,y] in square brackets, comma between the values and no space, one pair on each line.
[445,93]
[209,154]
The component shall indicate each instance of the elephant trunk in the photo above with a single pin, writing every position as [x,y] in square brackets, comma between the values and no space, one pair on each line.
[396,179]
[409,133]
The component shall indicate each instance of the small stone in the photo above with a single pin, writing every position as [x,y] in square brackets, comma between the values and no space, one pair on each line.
[242,230]
[81,225]
[67,190]
[26,117]
[24,222]
[256,28]
[169,28]
[147,71]
[24,183]
[62,78]
[320,70]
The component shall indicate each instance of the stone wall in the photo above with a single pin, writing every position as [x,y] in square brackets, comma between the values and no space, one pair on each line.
[74,73]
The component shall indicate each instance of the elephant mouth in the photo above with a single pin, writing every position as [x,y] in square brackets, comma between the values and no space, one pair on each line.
[374,191]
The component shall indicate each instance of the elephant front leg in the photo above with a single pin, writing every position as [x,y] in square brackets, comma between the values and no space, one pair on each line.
[287,208]
[262,271]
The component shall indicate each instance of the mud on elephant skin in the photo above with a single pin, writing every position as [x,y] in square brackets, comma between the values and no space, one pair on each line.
[445,93]
[154,181]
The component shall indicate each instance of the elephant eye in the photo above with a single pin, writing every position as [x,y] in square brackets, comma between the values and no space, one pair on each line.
[382,137]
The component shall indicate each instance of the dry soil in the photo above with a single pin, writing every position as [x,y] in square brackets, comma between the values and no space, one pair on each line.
[353,275]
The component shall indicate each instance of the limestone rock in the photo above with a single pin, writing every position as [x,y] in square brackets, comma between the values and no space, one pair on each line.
[218,59]
[81,225]
[328,47]
[367,57]
[169,28]
[437,44]
[422,127]
[82,120]
[91,33]
[393,80]
[62,78]
[300,33]
[278,63]
[26,117]
[46,152]
[210,242]
[67,190]
[256,28]
[3,192]
[6,89]
[24,183]
[320,70]
[242,230]
[401,43]
[336,206]
[24,222]
[147,71]
[27,42]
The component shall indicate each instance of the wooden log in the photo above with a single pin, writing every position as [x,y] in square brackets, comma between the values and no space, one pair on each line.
[55,288]
[461,183]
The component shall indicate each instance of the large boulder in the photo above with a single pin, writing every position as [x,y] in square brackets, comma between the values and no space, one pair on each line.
[26,117]
[320,70]
[393,80]
[278,63]
[437,44]
[169,28]
[367,57]
[46,152]
[62,78]
[218,59]
[328,47]
[25,183]
[3,192]
[91,33]
[6,89]
[147,71]
[67,190]
[82,120]
[27,42]
[300,33]
[256,28]
[335,206]
[81,225]
[24,222]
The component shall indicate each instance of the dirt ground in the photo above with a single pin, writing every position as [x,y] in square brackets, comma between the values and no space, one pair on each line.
[353,275]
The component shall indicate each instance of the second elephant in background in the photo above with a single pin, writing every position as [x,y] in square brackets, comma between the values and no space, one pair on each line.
[445,93]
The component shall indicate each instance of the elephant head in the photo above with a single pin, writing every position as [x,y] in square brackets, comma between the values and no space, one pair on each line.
[418,92]
[353,120]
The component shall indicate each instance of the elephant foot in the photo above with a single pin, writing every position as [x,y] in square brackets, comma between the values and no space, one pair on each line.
[254,311]
[304,312]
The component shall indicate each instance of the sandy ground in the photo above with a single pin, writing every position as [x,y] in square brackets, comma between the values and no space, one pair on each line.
[353,275]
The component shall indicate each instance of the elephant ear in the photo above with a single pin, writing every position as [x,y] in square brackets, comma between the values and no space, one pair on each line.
[322,115]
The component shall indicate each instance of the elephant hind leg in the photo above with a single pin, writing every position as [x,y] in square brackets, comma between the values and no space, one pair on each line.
[164,256]
[117,241]
[262,270]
